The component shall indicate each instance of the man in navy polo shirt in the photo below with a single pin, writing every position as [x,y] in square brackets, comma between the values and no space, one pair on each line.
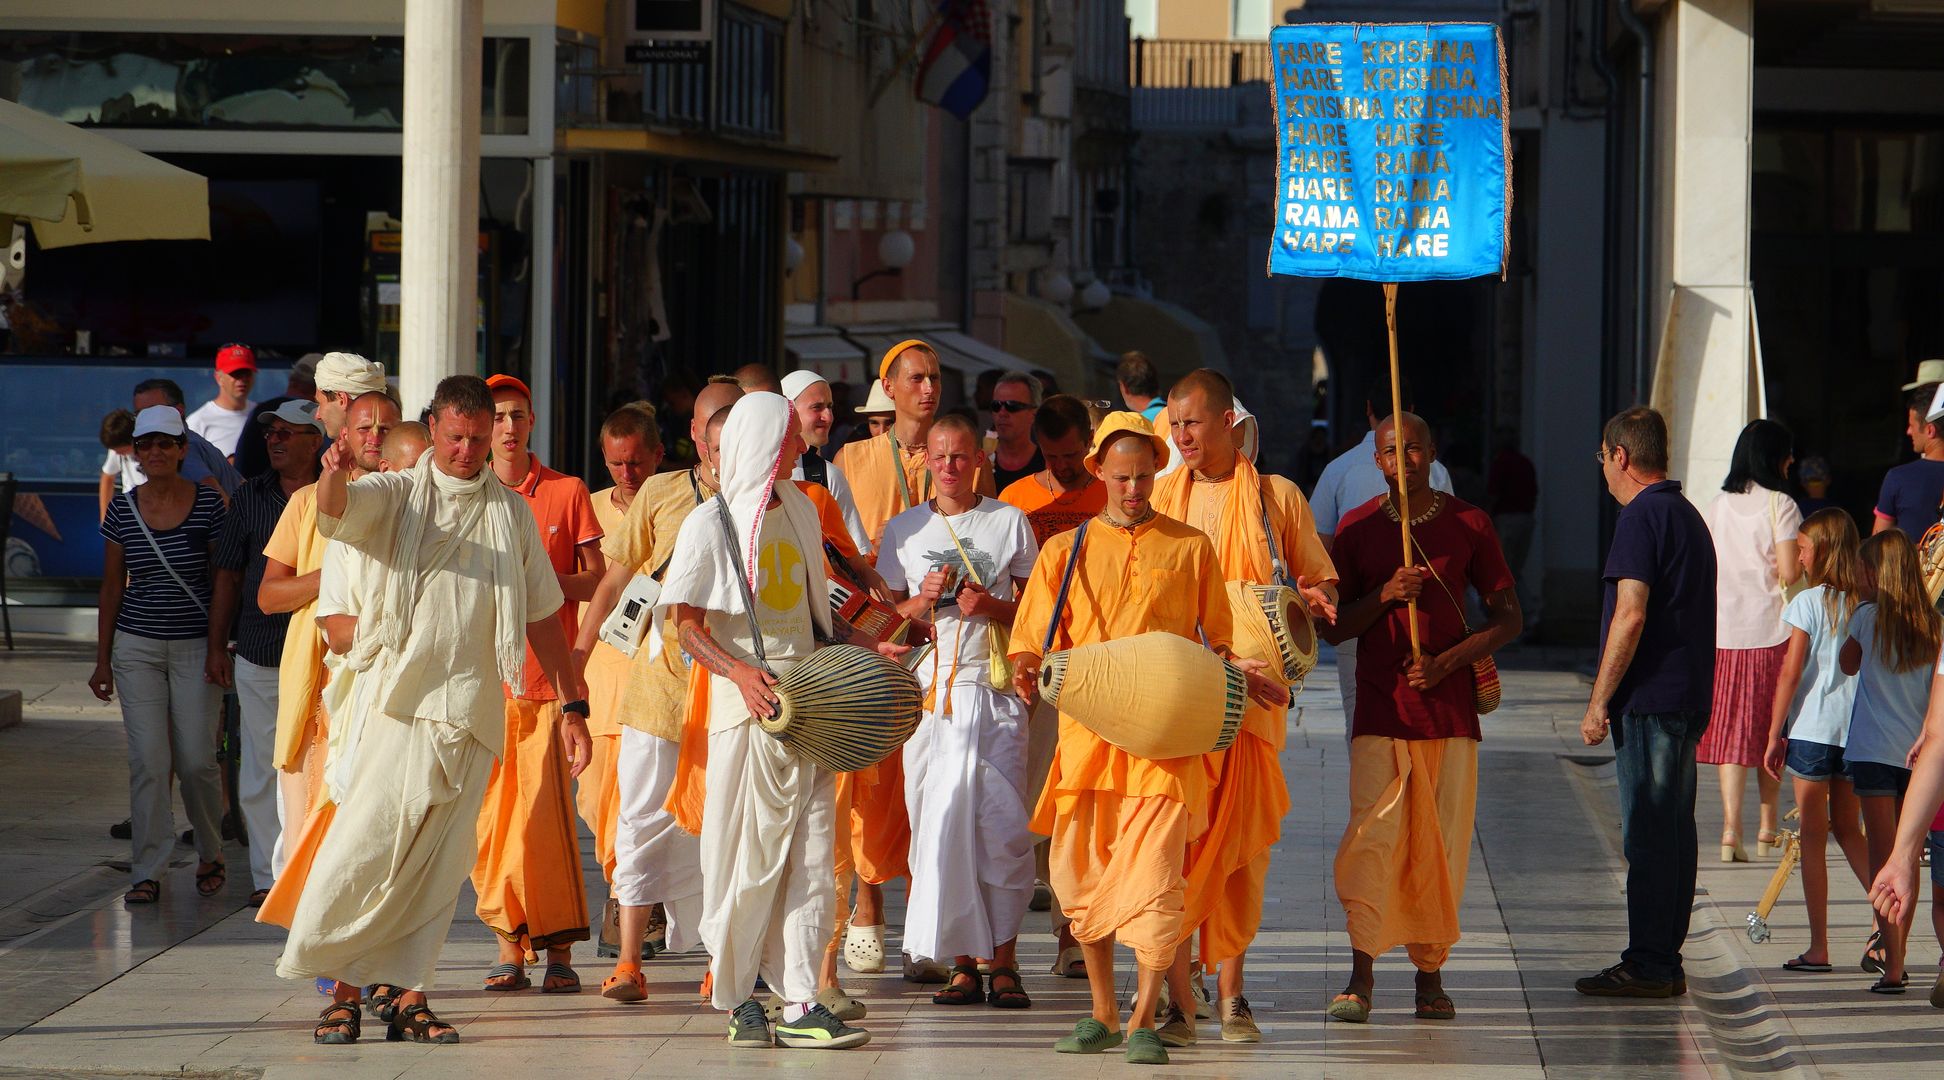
[1654,690]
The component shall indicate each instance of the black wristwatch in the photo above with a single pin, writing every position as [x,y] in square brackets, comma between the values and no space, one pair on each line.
[578,705]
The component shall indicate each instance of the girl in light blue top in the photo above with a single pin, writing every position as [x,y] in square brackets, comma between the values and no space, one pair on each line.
[1810,721]
[1892,648]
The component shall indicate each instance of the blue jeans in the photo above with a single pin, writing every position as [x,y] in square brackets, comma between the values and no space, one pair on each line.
[1655,761]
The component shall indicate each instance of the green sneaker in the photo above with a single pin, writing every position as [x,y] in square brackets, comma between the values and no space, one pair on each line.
[1089,1036]
[1144,1048]
[819,1029]
[748,1029]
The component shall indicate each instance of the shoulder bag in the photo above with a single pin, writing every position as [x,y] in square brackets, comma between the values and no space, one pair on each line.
[156,547]
[1485,676]
[999,667]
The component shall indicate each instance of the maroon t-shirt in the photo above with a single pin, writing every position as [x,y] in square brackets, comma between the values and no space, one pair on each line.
[1464,550]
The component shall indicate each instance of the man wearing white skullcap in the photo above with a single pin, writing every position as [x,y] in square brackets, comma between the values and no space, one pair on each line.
[810,393]
[342,378]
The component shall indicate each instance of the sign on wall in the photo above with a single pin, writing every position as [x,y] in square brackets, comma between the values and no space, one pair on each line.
[1393,158]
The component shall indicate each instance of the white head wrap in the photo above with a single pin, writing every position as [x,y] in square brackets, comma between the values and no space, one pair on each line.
[349,373]
[796,382]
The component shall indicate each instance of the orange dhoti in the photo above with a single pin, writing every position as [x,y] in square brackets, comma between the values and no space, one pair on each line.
[1228,865]
[300,790]
[1116,865]
[880,830]
[528,876]
[596,795]
[1400,870]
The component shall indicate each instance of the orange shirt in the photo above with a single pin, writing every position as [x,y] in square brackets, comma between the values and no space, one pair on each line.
[830,518]
[873,467]
[1050,514]
[1159,575]
[565,514]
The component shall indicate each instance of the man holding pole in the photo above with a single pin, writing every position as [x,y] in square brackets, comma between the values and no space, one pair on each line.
[1400,868]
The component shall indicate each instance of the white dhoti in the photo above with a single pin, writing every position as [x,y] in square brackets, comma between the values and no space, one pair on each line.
[655,860]
[378,902]
[971,850]
[768,856]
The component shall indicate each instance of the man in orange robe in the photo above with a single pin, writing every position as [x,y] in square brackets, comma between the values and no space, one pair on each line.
[1218,491]
[1055,500]
[529,875]
[632,450]
[1121,824]
[888,475]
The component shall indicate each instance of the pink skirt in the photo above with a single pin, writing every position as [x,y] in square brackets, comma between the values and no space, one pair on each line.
[1744,700]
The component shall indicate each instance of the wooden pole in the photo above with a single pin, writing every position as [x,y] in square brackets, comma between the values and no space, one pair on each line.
[1397,445]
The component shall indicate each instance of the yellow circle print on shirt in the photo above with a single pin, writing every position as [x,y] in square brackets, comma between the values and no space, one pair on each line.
[782,575]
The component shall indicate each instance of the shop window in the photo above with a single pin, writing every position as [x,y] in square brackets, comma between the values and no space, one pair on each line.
[260,82]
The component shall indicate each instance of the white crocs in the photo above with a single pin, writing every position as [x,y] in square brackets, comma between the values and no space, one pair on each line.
[864,948]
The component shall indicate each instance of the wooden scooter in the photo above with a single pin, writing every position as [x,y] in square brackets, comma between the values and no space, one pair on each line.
[1758,927]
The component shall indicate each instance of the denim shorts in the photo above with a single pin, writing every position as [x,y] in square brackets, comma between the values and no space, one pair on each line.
[1876,778]
[1815,761]
[1936,844]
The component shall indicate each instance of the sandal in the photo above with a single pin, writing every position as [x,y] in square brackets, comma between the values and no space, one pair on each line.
[957,993]
[258,897]
[1072,963]
[210,882]
[1799,964]
[864,948]
[572,985]
[338,1025]
[414,1023]
[1875,954]
[1350,1008]
[1885,986]
[1008,997]
[143,892]
[516,978]
[381,1001]
[1435,1006]
[626,984]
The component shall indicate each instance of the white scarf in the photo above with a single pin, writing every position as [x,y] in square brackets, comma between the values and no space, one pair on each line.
[385,626]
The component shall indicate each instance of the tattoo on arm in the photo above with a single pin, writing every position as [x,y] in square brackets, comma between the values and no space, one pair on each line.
[697,642]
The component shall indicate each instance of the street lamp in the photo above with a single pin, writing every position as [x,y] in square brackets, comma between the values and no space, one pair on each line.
[1095,296]
[1056,288]
[792,254]
[895,251]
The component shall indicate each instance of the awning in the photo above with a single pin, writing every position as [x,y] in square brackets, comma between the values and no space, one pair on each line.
[1048,338]
[1174,339]
[82,188]
[823,350]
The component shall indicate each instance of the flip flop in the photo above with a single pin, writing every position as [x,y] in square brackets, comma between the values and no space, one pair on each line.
[1428,1006]
[1350,1008]
[1885,986]
[561,971]
[516,978]
[210,882]
[1875,954]
[1799,964]
[864,948]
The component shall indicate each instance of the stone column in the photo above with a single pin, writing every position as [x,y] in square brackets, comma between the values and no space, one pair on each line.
[1706,377]
[439,262]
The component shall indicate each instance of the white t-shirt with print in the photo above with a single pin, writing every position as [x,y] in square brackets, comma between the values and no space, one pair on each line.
[1826,696]
[998,541]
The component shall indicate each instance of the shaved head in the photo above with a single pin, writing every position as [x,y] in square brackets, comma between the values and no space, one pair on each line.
[403,445]
[1419,452]
[1214,387]
[754,377]
[1414,429]
[713,398]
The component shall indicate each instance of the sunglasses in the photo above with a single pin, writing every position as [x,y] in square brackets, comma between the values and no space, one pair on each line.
[150,442]
[284,434]
[1008,406]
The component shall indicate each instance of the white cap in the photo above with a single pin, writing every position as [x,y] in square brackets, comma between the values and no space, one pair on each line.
[796,382]
[159,420]
[1935,414]
[293,411]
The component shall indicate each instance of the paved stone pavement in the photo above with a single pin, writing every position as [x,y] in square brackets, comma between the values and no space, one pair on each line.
[88,987]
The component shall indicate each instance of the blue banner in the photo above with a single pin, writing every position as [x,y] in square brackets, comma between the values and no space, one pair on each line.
[1393,151]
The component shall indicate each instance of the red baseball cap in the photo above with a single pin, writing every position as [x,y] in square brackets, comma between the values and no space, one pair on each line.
[234,358]
[508,382]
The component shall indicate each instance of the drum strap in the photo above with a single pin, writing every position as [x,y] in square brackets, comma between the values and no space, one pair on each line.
[1066,581]
[1275,553]
[749,598]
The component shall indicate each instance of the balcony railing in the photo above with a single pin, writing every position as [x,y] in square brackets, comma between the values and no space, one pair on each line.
[1197,84]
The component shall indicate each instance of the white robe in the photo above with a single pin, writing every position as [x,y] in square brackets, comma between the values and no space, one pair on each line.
[966,781]
[655,860]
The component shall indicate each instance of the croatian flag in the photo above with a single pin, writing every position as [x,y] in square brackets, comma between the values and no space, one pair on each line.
[957,66]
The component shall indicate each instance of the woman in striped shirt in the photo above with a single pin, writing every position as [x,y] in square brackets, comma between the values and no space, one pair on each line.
[157,644]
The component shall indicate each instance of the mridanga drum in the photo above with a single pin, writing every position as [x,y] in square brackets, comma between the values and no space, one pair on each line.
[1155,695]
[1272,624]
[845,708]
